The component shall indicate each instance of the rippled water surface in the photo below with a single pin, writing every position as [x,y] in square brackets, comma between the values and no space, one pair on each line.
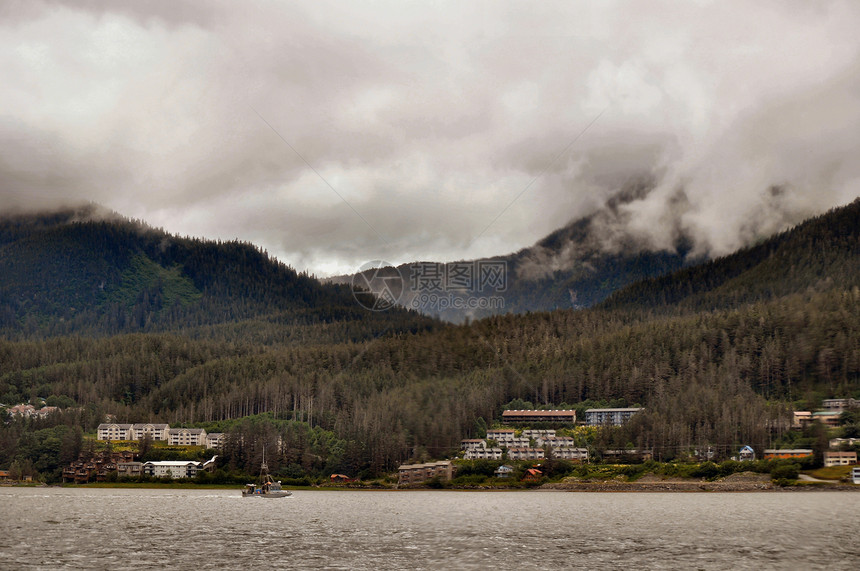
[50,528]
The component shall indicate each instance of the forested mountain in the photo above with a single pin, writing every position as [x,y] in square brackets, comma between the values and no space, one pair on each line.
[82,271]
[715,353]
[820,254]
[572,268]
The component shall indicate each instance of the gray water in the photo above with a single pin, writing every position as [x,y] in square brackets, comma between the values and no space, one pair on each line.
[55,528]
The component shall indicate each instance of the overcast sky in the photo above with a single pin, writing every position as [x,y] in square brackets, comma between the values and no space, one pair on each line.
[333,133]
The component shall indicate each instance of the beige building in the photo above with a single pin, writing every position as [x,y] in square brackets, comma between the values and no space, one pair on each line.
[113,431]
[836,458]
[215,440]
[186,437]
[155,431]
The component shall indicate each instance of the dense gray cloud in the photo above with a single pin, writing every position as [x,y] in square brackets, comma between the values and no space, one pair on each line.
[400,132]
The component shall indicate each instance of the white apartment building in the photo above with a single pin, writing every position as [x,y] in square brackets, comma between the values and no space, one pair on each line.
[483,454]
[526,454]
[533,433]
[172,468]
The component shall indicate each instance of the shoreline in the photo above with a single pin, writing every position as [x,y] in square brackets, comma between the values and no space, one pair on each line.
[585,487]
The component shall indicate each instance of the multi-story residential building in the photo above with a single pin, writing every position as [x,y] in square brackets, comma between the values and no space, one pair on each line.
[535,434]
[155,431]
[502,435]
[215,440]
[570,453]
[172,468]
[563,416]
[526,453]
[129,469]
[642,455]
[827,417]
[414,473]
[113,431]
[610,416]
[555,441]
[186,437]
[787,453]
[801,418]
[839,405]
[483,454]
[837,458]
[472,444]
[177,468]
[837,442]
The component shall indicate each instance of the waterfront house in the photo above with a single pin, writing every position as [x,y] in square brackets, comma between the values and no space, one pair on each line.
[503,471]
[609,416]
[172,468]
[855,475]
[771,453]
[129,469]
[746,453]
[533,475]
[839,458]
[414,473]
[563,416]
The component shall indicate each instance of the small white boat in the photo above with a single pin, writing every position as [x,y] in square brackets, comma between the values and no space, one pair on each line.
[267,488]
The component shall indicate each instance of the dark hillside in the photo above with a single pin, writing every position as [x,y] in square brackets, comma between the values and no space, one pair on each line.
[75,273]
[821,253]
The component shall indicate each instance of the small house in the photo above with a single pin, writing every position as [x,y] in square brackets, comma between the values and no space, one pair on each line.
[503,471]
